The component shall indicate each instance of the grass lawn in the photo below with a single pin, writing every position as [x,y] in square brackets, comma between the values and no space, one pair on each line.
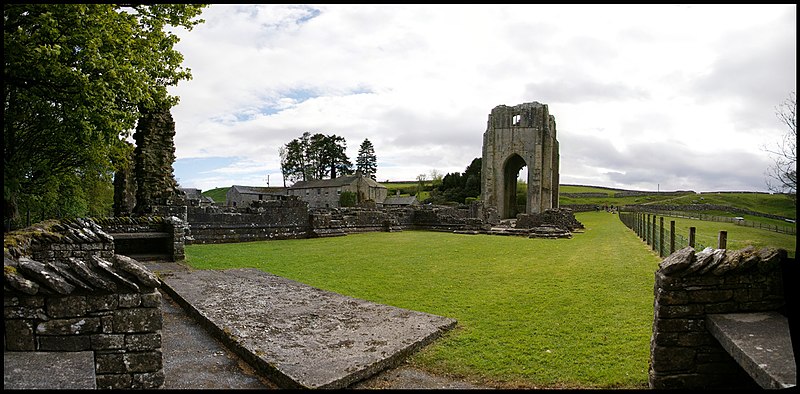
[573,313]
[739,237]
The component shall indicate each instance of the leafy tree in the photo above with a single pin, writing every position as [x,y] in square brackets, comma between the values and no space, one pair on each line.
[421,179]
[331,156]
[76,77]
[436,178]
[314,157]
[782,175]
[457,187]
[366,162]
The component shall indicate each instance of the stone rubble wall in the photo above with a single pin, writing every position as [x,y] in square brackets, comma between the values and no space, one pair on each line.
[441,218]
[562,218]
[264,220]
[65,290]
[292,219]
[582,207]
[689,285]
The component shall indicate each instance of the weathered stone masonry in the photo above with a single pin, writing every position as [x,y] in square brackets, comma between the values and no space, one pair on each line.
[515,137]
[688,286]
[65,290]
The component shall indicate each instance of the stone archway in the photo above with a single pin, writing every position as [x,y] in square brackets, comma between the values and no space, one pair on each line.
[518,136]
[510,175]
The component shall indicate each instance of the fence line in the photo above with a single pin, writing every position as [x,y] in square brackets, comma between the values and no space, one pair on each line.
[660,239]
[724,219]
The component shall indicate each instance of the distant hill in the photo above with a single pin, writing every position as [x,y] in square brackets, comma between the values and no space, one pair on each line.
[773,204]
[218,194]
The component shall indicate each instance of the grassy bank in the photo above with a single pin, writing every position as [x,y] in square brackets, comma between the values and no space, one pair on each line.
[531,312]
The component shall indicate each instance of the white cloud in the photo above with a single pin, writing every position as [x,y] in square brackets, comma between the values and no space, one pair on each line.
[698,82]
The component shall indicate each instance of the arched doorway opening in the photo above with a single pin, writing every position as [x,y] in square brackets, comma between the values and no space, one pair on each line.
[511,173]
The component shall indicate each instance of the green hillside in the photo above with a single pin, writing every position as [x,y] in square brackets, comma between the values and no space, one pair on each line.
[773,204]
[218,194]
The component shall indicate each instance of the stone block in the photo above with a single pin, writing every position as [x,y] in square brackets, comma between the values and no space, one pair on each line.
[151,380]
[72,326]
[108,341]
[102,302]
[143,361]
[135,320]
[143,342]
[19,335]
[114,381]
[109,363]
[61,343]
[69,306]
[129,300]
[673,359]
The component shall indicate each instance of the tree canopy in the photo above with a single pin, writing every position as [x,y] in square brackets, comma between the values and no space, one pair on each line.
[367,162]
[75,79]
[314,156]
[457,186]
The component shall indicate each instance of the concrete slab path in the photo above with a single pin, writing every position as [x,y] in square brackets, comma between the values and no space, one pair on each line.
[297,335]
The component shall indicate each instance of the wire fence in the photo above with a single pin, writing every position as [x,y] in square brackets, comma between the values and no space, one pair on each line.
[725,219]
[664,240]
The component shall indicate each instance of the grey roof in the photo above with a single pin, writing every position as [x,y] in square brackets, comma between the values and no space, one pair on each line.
[191,193]
[258,189]
[398,200]
[340,181]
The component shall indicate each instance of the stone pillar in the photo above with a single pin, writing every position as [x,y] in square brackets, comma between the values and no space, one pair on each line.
[153,158]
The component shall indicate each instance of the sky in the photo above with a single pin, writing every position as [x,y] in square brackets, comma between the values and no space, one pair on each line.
[645,97]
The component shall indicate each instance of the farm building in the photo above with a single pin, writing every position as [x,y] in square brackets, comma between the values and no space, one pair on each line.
[195,198]
[325,193]
[241,196]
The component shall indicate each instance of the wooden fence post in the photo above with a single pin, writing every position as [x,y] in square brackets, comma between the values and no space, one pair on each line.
[653,232]
[723,240]
[692,231]
[661,237]
[671,236]
[647,229]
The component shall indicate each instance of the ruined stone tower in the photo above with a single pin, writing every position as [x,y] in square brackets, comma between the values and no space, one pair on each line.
[153,158]
[515,137]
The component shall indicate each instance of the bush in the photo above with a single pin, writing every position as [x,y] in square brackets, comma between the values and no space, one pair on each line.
[348,199]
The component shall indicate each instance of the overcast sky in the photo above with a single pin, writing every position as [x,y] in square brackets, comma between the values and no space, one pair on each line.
[647,97]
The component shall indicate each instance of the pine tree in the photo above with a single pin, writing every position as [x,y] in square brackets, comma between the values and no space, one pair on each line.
[366,162]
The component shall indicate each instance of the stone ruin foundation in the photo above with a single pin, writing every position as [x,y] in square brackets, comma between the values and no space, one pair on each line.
[65,290]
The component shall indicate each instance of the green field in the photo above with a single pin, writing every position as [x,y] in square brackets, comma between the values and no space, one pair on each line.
[738,237]
[217,194]
[532,313]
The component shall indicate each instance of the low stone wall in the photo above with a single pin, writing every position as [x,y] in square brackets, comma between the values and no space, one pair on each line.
[562,218]
[157,235]
[442,218]
[582,207]
[292,219]
[689,285]
[65,290]
[265,220]
[343,221]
